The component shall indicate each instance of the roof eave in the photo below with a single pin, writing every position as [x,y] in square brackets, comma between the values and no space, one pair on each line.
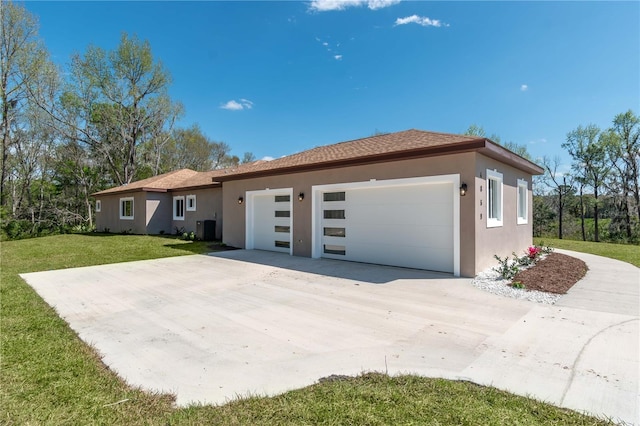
[128,191]
[497,152]
[195,187]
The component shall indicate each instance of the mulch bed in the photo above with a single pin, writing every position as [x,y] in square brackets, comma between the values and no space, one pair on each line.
[557,273]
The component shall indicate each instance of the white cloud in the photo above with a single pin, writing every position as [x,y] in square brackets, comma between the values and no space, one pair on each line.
[338,57]
[420,20]
[327,5]
[267,158]
[538,141]
[234,105]
[524,88]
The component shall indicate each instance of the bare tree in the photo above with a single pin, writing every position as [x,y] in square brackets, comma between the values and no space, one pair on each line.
[557,182]
[23,59]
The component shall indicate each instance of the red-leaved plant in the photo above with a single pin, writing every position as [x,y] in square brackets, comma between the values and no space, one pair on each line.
[533,252]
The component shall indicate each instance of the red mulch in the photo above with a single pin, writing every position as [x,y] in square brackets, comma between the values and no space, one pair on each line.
[557,273]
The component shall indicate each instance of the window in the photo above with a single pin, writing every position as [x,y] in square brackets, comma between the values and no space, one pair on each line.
[335,232]
[286,229]
[334,214]
[523,208]
[282,198]
[333,196]
[191,203]
[98,206]
[283,213]
[331,249]
[178,208]
[283,244]
[494,199]
[126,208]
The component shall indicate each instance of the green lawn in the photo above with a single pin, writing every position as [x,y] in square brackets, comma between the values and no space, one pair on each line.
[50,377]
[625,252]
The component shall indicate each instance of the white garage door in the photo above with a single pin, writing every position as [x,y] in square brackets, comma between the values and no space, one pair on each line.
[400,225]
[271,220]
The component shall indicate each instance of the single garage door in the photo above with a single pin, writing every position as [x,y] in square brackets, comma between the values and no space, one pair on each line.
[271,220]
[399,225]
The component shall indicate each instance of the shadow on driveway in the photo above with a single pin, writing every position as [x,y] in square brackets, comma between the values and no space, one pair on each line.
[355,271]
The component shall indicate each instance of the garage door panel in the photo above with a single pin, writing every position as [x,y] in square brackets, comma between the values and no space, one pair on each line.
[411,258]
[408,234]
[425,237]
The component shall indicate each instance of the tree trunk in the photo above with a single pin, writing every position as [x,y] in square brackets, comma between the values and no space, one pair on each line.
[584,236]
[560,214]
[596,232]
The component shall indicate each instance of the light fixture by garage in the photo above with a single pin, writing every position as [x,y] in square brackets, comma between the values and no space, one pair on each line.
[240,200]
[301,196]
[463,189]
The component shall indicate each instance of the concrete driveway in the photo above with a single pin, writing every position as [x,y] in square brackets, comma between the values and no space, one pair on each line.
[211,328]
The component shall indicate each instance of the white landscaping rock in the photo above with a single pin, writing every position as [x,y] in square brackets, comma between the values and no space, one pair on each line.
[491,281]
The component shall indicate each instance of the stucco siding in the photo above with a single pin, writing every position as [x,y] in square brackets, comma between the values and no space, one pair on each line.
[208,207]
[108,219]
[510,237]
[234,230]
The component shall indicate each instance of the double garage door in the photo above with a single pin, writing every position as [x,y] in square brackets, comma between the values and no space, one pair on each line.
[410,226]
[388,223]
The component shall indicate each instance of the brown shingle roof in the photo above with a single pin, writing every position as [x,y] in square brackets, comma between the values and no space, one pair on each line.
[392,146]
[162,182]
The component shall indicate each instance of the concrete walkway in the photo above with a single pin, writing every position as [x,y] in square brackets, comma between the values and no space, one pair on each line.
[210,328]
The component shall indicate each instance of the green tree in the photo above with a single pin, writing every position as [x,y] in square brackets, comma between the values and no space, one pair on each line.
[115,103]
[623,146]
[590,165]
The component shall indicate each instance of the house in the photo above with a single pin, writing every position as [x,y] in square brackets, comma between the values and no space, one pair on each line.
[414,199]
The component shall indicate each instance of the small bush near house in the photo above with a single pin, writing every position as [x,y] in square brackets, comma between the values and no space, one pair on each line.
[508,268]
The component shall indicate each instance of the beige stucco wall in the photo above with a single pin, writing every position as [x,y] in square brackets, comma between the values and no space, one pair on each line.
[109,216]
[234,228]
[510,237]
[208,207]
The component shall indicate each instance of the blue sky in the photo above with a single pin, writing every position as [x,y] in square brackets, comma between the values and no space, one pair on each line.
[276,78]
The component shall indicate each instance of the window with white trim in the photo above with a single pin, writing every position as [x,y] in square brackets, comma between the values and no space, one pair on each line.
[191,203]
[523,202]
[178,207]
[126,208]
[98,206]
[494,199]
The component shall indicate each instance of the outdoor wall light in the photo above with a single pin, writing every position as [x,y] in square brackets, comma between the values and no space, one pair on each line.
[240,200]
[463,189]
[301,196]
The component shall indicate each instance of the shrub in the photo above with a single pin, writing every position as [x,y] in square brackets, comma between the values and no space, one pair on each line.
[507,268]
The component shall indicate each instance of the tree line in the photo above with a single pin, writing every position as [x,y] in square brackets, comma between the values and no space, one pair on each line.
[598,199]
[600,195]
[106,119]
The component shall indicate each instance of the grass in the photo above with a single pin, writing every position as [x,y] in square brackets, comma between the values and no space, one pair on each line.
[625,252]
[49,376]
